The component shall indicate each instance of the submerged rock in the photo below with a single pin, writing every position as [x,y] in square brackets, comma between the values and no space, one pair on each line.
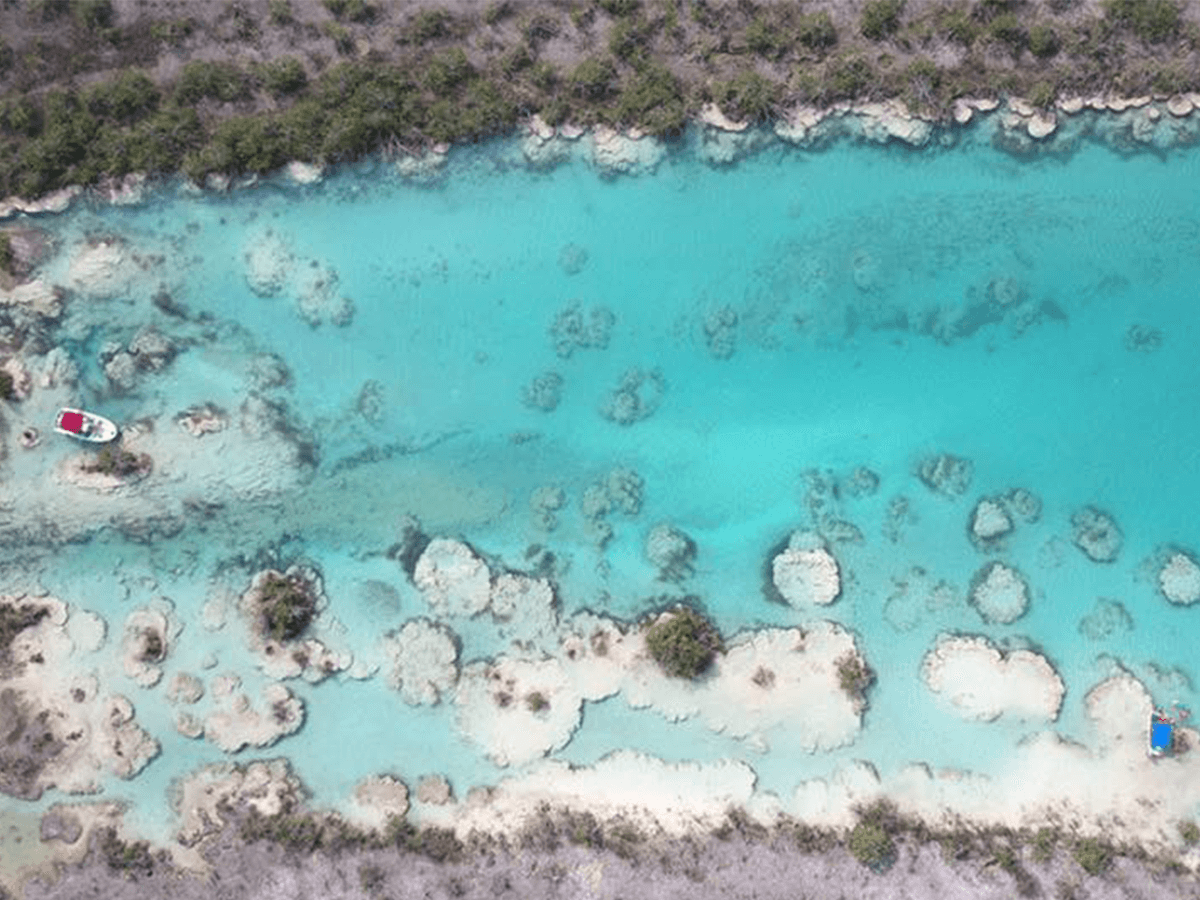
[1108,617]
[946,474]
[670,551]
[999,594]
[636,397]
[1096,533]
[573,330]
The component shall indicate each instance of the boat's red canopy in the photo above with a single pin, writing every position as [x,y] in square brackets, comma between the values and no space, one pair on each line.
[72,422]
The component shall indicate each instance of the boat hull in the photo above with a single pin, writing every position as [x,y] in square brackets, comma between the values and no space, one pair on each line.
[85,426]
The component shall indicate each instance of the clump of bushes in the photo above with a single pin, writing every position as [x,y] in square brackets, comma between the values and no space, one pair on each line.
[1154,21]
[131,857]
[816,31]
[6,380]
[283,76]
[119,462]
[1043,41]
[201,80]
[288,605]
[854,676]
[880,18]
[1190,832]
[748,96]
[1093,855]
[684,643]
[870,841]
[1044,842]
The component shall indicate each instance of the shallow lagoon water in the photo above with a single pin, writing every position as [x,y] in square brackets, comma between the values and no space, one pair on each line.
[455,284]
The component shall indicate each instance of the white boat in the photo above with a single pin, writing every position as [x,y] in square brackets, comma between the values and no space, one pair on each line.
[85,426]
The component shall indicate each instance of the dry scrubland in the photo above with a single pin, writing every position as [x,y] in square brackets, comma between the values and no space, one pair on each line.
[90,88]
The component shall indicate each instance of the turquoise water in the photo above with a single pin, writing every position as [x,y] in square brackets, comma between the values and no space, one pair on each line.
[455,286]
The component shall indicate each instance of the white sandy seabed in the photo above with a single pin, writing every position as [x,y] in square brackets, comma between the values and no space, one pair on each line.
[521,706]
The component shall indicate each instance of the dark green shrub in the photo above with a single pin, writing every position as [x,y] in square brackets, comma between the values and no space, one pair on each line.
[428,25]
[20,116]
[1190,832]
[1151,20]
[849,78]
[764,38]
[536,701]
[448,71]
[958,25]
[343,41]
[684,643]
[1007,29]
[284,76]
[653,100]
[630,38]
[1093,855]
[202,80]
[130,95]
[854,676]
[497,11]
[157,144]
[480,112]
[880,18]
[592,79]
[816,31]
[133,858]
[92,14]
[618,8]
[119,462]
[6,266]
[279,12]
[748,96]
[1043,41]
[1042,94]
[287,605]
[540,28]
[172,31]
[352,10]
[872,846]
[1044,842]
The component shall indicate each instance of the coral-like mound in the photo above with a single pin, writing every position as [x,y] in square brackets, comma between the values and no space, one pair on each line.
[982,682]
[999,593]
[805,572]
[1179,579]
[1096,533]
[237,723]
[424,661]
[454,580]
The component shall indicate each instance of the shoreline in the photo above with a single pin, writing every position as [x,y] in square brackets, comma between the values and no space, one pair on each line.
[109,88]
[555,849]
[1124,124]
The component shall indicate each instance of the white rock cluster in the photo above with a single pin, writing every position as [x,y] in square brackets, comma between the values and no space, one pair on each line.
[1179,579]
[806,573]
[455,581]
[424,660]
[237,723]
[982,682]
